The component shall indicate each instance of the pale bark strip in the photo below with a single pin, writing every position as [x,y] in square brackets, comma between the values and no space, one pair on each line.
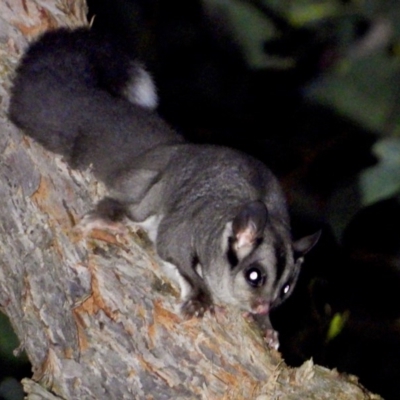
[97,317]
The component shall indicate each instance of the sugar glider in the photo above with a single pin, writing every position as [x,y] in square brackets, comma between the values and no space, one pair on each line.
[219,215]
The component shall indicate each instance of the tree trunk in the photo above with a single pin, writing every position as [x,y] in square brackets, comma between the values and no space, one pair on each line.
[96,316]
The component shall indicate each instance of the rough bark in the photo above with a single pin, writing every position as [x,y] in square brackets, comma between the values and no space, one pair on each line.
[96,316]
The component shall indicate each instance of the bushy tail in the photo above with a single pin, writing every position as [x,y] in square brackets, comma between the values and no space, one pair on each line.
[80,94]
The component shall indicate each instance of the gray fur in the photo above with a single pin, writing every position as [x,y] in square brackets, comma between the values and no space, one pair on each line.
[219,216]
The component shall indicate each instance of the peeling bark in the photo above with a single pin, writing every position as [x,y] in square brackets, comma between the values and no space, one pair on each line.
[96,316]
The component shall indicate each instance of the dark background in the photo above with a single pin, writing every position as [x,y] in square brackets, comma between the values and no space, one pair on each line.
[312,88]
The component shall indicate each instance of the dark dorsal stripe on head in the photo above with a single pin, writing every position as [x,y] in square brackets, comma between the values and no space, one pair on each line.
[231,254]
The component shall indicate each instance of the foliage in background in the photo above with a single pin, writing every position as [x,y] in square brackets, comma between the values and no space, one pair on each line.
[364,83]
[11,367]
